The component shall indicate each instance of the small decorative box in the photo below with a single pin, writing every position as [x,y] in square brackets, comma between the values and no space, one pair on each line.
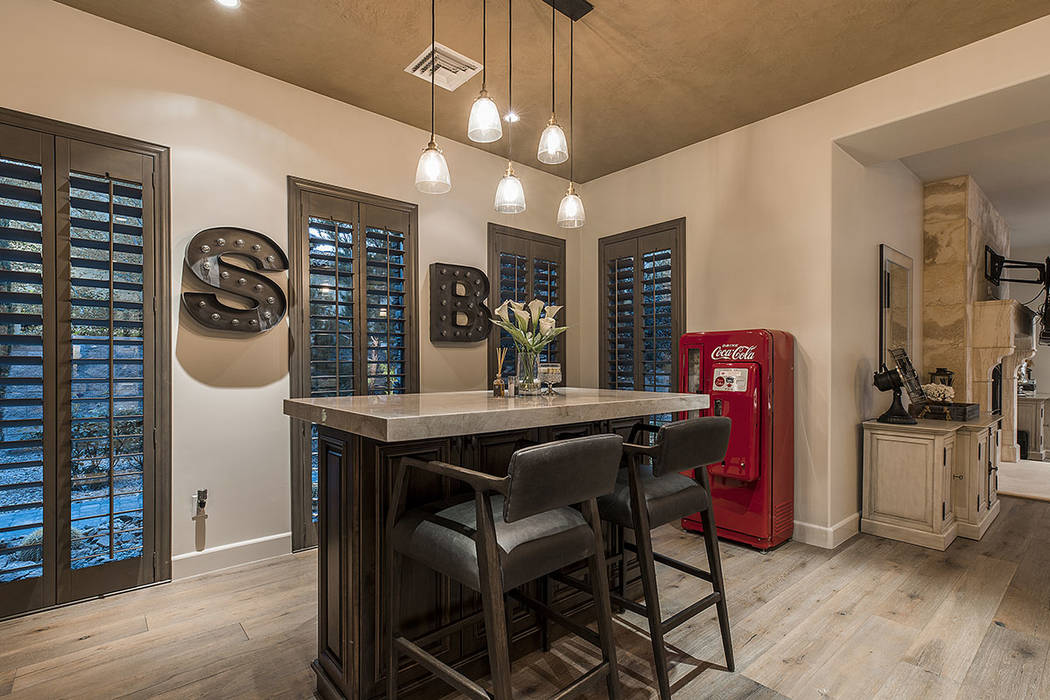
[935,410]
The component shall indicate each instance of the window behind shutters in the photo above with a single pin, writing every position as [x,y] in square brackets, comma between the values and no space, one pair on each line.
[524,266]
[352,256]
[641,283]
[84,363]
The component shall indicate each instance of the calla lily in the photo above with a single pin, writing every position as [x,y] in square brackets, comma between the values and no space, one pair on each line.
[523,318]
[535,308]
[546,325]
[501,311]
[515,304]
[552,311]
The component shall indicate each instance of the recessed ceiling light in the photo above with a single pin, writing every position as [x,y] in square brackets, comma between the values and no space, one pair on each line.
[229,3]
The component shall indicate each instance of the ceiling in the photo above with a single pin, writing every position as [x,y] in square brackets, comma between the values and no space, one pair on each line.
[651,76]
[1013,169]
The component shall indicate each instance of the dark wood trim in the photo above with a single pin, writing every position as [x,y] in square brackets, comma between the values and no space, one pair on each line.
[495,231]
[676,229]
[304,535]
[83,133]
[155,175]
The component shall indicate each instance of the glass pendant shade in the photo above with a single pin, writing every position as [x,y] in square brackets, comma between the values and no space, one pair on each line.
[484,125]
[510,195]
[570,211]
[432,175]
[553,147]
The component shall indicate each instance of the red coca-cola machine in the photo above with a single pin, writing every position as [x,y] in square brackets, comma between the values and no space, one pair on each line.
[750,376]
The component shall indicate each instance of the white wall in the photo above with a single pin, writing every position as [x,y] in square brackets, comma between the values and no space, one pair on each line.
[870,205]
[764,223]
[235,136]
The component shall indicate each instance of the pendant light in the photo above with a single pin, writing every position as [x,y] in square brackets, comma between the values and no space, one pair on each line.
[432,176]
[484,125]
[570,211]
[552,149]
[510,195]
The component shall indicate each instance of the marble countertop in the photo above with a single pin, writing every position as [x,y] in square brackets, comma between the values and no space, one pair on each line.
[1033,397]
[445,414]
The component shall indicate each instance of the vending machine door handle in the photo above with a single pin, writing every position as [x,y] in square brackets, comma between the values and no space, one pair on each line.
[718,407]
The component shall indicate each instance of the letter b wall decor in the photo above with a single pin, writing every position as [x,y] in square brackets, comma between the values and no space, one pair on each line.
[266,301]
[457,304]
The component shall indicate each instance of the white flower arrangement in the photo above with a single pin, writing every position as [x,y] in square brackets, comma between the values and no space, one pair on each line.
[531,325]
[939,392]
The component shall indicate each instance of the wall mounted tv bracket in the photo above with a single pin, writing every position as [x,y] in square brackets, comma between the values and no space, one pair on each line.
[265,300]
[995,264]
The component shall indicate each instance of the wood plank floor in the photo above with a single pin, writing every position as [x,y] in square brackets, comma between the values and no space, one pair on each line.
[874,618]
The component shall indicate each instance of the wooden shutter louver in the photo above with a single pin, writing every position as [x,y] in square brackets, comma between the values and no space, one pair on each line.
[620,312]
[513,284]
[21,371]
[385,321]
[107,377]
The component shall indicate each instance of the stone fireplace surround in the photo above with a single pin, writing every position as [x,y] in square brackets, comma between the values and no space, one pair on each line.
[967,326]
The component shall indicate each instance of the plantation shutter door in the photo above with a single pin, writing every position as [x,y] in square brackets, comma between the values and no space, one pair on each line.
[388,323]
[328,287]
[657,334]
[27,372]
[524,266]
[514,284]
[620,342]
[106,363]
[643,309]
[548,263]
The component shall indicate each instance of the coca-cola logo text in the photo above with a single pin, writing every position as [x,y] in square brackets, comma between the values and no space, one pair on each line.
[733,351]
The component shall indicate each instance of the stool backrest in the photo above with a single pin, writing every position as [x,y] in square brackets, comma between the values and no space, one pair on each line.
[690,443]
[561,473]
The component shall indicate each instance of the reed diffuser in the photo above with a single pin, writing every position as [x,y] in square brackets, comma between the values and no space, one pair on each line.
[499,389]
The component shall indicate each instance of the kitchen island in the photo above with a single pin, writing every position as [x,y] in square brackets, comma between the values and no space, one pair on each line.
[359,442]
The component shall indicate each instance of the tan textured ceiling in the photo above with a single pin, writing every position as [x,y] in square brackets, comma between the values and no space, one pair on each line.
[651,76]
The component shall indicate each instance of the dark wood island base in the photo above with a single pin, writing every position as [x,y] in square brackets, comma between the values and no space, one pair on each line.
[355,475]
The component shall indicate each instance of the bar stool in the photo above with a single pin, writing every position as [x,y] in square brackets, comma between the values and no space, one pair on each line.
[512,530]
[647,496]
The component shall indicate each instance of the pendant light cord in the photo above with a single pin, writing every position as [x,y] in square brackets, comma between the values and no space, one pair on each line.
[510,78]
[553,3]
[433,62]
[572,132]
[484,45]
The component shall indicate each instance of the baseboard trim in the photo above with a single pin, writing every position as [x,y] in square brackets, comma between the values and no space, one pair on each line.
[827,537]
[233,554]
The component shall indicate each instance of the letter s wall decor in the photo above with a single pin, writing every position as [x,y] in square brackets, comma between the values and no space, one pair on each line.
[267,302]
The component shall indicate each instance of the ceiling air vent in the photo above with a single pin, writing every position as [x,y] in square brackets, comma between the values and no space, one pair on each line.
[453,68]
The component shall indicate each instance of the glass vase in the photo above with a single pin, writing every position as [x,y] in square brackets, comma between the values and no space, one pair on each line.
[527,380]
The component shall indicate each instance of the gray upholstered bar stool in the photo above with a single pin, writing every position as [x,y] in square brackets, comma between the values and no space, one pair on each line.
[512,530]
[654,494]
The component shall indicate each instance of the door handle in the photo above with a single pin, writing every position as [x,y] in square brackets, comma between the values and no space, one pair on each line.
[957,476]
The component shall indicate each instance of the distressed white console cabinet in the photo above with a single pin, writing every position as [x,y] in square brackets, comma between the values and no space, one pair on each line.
[930,482]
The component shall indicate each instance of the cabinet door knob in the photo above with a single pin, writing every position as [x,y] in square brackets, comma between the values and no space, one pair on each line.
[957,476]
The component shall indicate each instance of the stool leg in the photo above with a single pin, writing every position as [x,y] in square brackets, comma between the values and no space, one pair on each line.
[545,622]
[600,589]
[622,564]
[714,561]
[393,606]
[644,546]
[492,600]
